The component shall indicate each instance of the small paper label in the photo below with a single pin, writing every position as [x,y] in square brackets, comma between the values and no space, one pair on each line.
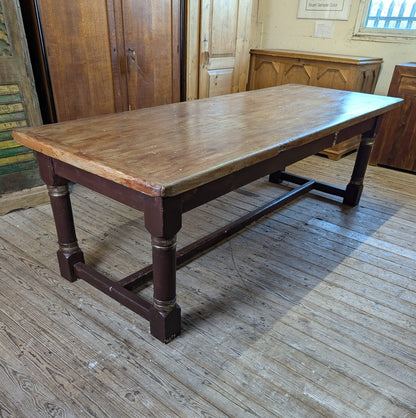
[323,29]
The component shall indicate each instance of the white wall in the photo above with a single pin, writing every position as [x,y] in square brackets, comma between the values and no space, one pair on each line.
[278,28]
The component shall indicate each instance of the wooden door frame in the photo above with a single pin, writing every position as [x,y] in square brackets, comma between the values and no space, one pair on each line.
[192,23]
[38,58]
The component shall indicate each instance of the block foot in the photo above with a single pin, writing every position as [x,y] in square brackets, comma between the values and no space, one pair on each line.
[165,326]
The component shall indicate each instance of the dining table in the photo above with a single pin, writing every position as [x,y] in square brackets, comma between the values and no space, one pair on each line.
[167,160]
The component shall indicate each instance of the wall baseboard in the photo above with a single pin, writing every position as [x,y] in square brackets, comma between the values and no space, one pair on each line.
[23,199]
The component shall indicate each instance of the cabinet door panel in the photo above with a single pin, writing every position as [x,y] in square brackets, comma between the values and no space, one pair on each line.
[297,73]
[224,46]
[264,73]
[152,50]
[76,37]
[335,77]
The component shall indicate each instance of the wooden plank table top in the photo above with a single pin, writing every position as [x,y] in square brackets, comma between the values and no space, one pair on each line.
[168,150]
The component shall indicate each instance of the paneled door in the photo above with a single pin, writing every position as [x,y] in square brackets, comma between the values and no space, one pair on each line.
[223,50]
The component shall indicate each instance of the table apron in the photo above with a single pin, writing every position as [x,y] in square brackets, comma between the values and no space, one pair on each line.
[109,188]
[207,192]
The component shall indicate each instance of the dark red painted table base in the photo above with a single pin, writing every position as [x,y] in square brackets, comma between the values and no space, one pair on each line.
[163,220]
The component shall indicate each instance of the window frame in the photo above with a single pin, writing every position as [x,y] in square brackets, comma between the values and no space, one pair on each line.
[361,32]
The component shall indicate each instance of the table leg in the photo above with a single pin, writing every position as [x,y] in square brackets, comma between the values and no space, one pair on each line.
[163,220]
[69,252]
[165,318]
[276,177]
[355,186]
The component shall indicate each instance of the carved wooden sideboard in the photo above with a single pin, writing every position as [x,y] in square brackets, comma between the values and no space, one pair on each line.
[396,143]
[269,67]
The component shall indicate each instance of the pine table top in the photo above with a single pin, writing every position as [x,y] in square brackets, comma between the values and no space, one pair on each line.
[170,149]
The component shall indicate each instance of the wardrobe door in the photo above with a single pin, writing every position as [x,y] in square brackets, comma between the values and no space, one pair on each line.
[77,46]
[152,50]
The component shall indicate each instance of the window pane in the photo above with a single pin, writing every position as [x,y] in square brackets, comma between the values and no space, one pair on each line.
[391,14]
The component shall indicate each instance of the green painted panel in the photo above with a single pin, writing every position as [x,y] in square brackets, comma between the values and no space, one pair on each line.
[9,89]
[10,98]
[9,143]
[8,117]
[7,126]
[11,108]
[10,152]
[7,169]
[5,135]
[16,159]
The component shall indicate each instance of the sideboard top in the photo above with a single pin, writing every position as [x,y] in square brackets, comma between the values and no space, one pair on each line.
[345,59]
[407,64]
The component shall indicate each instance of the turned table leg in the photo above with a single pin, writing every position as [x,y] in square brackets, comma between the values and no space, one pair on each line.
[165,317]
[163,221]
[69,252]
[355,186]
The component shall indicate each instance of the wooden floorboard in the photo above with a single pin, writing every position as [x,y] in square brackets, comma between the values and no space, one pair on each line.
[310,312]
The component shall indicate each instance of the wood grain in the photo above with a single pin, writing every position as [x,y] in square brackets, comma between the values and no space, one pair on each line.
[76,37]
[167,150]
[152,52]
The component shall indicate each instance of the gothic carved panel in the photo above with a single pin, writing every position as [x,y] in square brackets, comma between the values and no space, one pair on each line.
[298,73]
[332,77]
[267,74]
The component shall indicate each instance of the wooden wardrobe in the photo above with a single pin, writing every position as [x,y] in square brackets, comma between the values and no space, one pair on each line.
[395,144]
[104,56]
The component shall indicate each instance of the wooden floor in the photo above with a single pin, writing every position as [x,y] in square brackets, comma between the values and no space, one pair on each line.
[310,312]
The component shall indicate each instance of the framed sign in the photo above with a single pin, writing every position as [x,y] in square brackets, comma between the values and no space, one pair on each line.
[324,9]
